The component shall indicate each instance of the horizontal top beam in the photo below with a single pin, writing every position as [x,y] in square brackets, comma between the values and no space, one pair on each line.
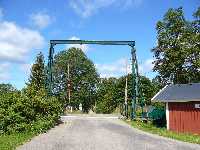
[130,43]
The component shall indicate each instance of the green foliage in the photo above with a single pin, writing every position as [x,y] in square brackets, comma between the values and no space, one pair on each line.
[157,84]
[37,77]
[18,112]
[83,78]
[147,89]
[111,93]
[4,88]
[42,124]
[106,101]
[178,51]
[30,109]
[120,93]
[7,99]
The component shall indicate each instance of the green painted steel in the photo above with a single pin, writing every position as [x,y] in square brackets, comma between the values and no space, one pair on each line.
[135,83]
[130,43]
[156,113]
[49,69]
[135,92]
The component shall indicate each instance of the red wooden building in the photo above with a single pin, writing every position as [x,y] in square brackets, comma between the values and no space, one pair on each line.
[182,107]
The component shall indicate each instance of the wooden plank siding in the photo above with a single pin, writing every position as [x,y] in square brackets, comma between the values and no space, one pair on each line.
[184,117]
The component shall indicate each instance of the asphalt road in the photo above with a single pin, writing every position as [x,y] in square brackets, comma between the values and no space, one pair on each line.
[101,133]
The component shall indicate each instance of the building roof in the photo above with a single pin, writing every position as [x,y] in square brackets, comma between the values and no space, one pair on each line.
[178,93]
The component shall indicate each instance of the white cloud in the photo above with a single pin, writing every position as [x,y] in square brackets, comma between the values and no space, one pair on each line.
[16,42]
[108,75]
[146,66]
[84,47]
[26,68]
[86,8]
[114,69]
[41,20]
[118,68]
[4,74]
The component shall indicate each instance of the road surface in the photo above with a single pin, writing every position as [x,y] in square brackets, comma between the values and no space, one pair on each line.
[101,133]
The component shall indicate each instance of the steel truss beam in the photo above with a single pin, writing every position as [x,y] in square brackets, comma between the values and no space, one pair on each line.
[135,92]
[131,43]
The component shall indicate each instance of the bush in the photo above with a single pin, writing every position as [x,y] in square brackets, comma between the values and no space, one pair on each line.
[19,112]
[42,124]
[30,109]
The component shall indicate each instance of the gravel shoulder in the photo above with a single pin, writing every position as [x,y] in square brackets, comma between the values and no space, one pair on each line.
[101,133]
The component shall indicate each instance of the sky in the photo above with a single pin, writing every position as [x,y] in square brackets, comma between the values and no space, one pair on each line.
[26,26]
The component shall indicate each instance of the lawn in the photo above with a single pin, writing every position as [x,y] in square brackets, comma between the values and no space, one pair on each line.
[10,142]
[149,127]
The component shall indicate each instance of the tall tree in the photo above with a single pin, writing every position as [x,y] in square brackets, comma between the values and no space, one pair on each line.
[193,45]
[83,78]
[37,77]
[176,57]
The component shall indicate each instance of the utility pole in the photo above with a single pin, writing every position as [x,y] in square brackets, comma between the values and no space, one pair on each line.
[125,92]
[69,87]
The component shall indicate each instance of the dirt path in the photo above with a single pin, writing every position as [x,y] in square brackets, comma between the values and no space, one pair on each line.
[101,133]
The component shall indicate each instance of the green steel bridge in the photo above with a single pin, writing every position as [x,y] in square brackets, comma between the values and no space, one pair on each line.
[131,44]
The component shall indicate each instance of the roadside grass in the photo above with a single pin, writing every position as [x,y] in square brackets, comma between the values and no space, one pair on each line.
[10,142]
[149,127]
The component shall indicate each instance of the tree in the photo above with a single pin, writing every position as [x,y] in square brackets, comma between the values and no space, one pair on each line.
[5,88]
[156,82]
[83,78]
[193,46]
[37,77]
[146,88]
[177,52]
[120,95]
[107,100]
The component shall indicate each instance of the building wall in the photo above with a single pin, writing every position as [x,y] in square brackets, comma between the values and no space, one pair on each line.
[184,117]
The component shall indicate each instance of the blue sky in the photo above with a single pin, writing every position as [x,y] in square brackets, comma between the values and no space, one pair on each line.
[26,26]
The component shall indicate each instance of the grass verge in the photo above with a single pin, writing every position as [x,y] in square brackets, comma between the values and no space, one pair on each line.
[10,142]
[149,127]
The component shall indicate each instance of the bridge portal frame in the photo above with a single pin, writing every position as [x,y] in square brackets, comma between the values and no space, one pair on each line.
[135,92]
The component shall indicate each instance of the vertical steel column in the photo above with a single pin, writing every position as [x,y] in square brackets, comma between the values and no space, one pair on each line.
[136,79]
[49,69]
[125,92]
[135,92]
